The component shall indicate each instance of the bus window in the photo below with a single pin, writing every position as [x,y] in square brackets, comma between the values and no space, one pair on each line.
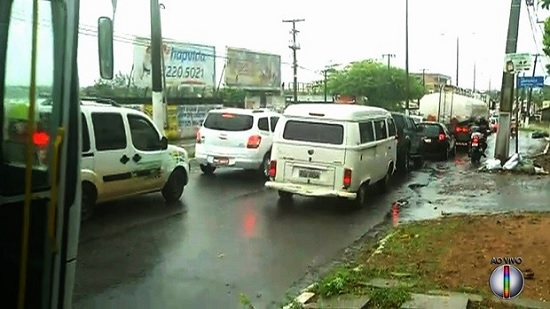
[17,81]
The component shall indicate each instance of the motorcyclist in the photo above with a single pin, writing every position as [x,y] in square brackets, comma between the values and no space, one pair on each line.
[478,132]
[483,124]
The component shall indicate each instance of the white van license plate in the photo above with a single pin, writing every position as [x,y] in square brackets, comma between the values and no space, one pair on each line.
[221,161]
[309,174]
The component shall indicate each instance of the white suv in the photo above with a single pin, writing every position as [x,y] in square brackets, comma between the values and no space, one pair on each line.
[237,138]
[124,154]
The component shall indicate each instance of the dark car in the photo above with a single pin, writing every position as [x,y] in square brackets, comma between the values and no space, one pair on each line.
[462,133]
[408,142]
[437,140]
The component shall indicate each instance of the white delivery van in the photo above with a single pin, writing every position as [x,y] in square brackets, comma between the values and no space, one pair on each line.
[332,150]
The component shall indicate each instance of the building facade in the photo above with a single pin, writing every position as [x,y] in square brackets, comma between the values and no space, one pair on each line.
[432,81]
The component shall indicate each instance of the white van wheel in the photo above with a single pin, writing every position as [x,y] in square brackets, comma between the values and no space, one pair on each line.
[173,189]
[385,182]
[89,197]
[361,199]
[207,169]
[285,196]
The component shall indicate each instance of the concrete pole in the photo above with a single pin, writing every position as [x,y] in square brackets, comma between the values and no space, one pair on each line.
[502,144]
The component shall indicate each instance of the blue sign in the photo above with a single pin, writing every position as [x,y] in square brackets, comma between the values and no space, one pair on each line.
[530,82]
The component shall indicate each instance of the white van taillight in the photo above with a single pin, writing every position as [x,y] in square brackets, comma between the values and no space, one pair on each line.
[273,168]
[198,137]
[254,141]
[347,178]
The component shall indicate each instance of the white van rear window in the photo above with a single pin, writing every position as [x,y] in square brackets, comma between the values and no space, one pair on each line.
[228,122]
[314,132]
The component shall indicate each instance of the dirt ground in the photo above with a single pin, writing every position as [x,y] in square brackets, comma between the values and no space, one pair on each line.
[454,253]
[544,161]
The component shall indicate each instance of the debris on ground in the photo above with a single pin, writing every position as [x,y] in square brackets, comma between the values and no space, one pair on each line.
[539,134]
[516,163]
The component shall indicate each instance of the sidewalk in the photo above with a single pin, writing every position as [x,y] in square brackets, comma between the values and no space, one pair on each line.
[412,267]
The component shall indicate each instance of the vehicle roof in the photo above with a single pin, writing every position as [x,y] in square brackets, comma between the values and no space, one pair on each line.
[245,111]
[334,111]
[93,106]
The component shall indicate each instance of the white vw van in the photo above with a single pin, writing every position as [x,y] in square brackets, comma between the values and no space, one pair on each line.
[332,150]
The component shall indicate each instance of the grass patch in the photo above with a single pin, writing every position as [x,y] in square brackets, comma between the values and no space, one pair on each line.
[541,126]
[451,254]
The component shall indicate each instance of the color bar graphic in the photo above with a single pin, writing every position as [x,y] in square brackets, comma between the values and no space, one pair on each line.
[506,293]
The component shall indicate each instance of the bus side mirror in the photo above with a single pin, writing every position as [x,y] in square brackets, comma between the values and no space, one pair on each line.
[105,47]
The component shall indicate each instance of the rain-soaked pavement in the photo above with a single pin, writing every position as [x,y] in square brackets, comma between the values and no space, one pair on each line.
[229,235]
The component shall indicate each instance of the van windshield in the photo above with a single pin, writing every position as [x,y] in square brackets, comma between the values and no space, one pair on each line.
[314,132]
[228,122]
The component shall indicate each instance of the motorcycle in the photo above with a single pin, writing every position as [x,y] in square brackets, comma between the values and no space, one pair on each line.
[477,147]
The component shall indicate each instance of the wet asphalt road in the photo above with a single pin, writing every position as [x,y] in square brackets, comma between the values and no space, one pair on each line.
[229,235]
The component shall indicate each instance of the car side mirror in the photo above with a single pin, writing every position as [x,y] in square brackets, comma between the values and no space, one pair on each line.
[105,47]
[164,143]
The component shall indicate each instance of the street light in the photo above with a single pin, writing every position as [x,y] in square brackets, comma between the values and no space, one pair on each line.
[458,55]
[407,80]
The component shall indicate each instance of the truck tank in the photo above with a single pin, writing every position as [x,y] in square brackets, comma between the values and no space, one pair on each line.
[444,106]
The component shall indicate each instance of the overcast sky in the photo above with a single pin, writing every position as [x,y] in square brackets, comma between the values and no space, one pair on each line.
[333,31]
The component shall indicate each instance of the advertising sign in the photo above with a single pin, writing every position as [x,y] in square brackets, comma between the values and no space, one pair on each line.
[185,64]
[183,119]
[252,70]
[516,63]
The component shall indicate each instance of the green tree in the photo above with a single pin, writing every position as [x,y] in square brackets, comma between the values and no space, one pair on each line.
[545,4]
[546,39]
[233,95]
[119,86]
[373,80]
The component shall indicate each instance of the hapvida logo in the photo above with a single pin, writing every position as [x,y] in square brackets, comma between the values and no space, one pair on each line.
[183,55]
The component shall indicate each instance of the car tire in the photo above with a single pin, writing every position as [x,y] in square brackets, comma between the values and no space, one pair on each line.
[264,168]
[418,162]
[404,162]
[88,201]
[361,199]
[384,183]
[207,169]
[445,154]
[173,189]
[285,196]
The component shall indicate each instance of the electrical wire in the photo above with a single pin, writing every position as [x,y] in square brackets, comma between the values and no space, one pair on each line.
[91,31]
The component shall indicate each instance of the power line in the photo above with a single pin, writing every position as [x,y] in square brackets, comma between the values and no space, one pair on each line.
[91,31]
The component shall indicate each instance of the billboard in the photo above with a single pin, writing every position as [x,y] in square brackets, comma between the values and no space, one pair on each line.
[185,64]
[252,70]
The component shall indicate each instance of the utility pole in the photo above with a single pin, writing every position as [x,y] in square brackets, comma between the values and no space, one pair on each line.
[156,66]
[424,77]
[457,57]
[407,79]
[530,95]
[502,144]
[388,56]
[295,47]
[475,76]
[325,72]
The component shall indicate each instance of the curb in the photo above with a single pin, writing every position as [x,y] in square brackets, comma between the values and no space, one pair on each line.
[306,294]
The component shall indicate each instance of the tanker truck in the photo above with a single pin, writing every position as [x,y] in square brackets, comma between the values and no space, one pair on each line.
[448,104]
[454,108]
